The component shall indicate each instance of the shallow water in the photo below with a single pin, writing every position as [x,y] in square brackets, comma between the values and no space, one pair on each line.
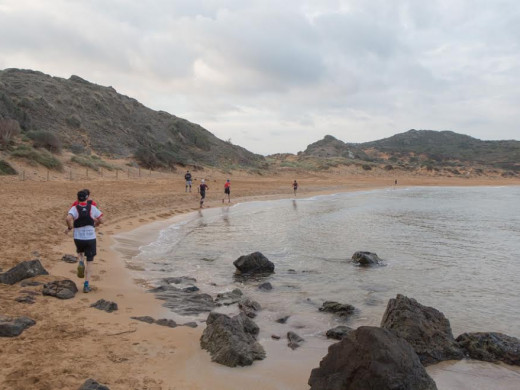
[456,249]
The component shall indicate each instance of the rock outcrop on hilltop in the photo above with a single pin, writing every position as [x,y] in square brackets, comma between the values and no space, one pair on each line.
[371,358]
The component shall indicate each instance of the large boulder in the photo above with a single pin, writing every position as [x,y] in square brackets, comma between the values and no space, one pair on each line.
[366,259]
[425,328]
[371,358]
[253,263]
[231,341]
[491,347]
[23,270]
[63,289]
[12,327]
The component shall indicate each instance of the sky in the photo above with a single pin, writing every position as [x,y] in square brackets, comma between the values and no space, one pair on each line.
[275,76]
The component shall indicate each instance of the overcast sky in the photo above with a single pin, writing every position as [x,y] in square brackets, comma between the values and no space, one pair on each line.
[275,76]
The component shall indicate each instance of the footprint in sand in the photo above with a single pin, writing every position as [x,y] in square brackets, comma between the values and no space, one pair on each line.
[110,232]
[118,227]
[120,295]
[142,220]
[103,271]
[153,218]
[84,300]
[96,278]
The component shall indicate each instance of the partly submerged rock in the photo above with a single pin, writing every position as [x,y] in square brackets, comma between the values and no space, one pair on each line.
[231,341]
[425,328]
[338,332]
[265,286]
[249,307]
[23,270]
[294,340]
[371,358]
[340,309]
[229,297]
[366,259]
[253,263]
[62,289]
[182,301]
[12,327]
[491,347]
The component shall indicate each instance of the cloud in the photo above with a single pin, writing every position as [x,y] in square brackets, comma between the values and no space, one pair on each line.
[275,76]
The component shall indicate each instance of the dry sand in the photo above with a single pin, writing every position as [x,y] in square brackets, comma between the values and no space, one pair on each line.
[72,342]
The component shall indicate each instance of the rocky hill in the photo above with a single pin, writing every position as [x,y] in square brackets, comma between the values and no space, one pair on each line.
[85,117]
[424,147]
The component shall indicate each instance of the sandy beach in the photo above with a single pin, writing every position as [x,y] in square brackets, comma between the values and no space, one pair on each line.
[72,342]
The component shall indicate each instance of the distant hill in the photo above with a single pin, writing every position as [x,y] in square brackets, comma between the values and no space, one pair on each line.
[87,117]
[427,147]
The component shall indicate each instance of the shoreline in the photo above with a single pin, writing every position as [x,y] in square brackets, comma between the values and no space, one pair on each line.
[125,353]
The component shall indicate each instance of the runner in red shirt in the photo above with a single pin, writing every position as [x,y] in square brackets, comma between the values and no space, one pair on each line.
[227,191]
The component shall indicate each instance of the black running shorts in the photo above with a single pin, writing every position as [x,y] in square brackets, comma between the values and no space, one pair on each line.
[88,247]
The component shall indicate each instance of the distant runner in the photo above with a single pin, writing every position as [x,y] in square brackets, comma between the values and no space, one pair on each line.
[295,187]
[202,191]
[227,191]
[187,177]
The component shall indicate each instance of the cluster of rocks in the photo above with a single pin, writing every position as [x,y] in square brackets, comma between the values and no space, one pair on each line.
[393,356]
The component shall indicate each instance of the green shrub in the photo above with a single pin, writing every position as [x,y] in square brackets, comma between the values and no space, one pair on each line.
[45,139]
[366,167]
[6,168]
[92,162]
[33,156]
[8,129]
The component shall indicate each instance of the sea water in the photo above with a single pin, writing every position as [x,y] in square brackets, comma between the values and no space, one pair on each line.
[453,248]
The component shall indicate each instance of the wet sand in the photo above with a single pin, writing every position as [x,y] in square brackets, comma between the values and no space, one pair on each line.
[72,342]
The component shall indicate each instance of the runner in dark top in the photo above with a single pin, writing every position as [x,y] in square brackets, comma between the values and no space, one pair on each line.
[202,190]
[187,177]
[295,187]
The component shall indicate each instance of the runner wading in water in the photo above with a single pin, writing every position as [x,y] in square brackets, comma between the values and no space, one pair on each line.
[295,187]
[202,191]
[83,218]
[227,191]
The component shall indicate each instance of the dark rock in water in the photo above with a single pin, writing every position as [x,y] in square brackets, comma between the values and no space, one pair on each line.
[107,306]
[366,259]
[231,341]
[184,302]
[190,324]
[147,319]
[291,271]
[340,309]
[230,297]
[91,384]
[371,358]
[166,322]
[179,280]
[191,289]
[249,307]
[295,340]
[23,270]
[275,337]
[425,328]
[253,263]
[12,327]
[63,289]
[282,320]
[30,283]
[491,347]
[265,286]
[338,332]
[69,259]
